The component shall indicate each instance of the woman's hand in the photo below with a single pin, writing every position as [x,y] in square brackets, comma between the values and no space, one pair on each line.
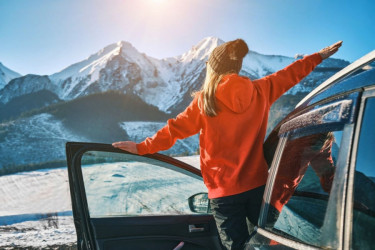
[127,146]
[330,50]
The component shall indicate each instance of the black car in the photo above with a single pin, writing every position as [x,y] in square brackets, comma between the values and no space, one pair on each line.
[320,191]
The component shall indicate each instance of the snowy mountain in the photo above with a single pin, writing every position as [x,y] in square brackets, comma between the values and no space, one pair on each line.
[166,83]
[119,93]
[25,85]
[103,117]
[23,140]
[162,83]
[6,75]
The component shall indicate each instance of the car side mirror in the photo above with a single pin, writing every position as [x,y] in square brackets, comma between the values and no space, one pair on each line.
[199,203]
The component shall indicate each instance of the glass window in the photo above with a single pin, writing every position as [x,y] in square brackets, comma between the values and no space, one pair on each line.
[302,187]
[127,185]
[364,182]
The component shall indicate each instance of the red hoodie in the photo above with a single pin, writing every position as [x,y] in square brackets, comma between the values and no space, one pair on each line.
[231,143]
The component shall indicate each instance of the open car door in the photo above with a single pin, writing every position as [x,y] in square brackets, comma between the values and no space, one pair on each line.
[126,201]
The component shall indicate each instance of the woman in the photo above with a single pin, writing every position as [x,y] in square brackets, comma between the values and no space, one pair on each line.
[230,113]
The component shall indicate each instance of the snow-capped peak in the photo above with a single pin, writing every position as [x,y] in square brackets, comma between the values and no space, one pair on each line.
[96,61]
[6,75]
[88,69]
[164,83]
[80,68]
[202,50]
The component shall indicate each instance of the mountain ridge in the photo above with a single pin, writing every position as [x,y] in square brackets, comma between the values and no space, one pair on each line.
[119,93]
[160,82]
[6,75]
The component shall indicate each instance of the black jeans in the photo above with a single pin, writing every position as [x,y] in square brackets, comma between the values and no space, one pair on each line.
[236,216]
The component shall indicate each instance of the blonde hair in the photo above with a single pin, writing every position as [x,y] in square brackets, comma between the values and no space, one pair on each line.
[207,98]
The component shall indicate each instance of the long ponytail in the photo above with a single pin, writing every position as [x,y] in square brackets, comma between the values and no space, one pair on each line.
[208,92]
[207,99]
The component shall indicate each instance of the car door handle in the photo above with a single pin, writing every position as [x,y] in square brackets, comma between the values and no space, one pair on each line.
[194,229]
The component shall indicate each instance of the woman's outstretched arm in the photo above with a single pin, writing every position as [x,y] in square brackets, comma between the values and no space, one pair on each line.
[278,83]
[184,125]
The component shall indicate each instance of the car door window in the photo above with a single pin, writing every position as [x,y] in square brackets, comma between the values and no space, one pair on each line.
[364,182]
[119,184]
[302,187]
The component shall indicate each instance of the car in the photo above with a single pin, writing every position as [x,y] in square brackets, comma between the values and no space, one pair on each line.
[320,191]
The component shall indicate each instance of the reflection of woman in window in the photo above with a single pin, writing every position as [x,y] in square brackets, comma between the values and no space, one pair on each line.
[315,151]
[230,113]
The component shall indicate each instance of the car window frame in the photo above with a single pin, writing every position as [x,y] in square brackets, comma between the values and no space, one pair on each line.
[74,153]
[346,125]
[369,92]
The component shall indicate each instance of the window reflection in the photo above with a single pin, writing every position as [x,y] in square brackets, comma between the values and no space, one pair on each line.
[302,186]
[127,185]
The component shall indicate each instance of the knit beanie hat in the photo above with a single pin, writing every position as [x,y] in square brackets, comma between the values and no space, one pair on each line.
[228,56]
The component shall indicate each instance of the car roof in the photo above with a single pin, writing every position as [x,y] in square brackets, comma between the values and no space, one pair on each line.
[345,80]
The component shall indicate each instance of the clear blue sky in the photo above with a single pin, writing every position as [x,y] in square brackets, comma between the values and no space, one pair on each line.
[45,36]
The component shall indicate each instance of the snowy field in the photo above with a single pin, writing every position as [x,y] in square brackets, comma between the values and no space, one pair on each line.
[35,207]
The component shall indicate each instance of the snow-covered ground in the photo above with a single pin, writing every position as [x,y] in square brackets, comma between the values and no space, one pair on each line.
[35,207]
